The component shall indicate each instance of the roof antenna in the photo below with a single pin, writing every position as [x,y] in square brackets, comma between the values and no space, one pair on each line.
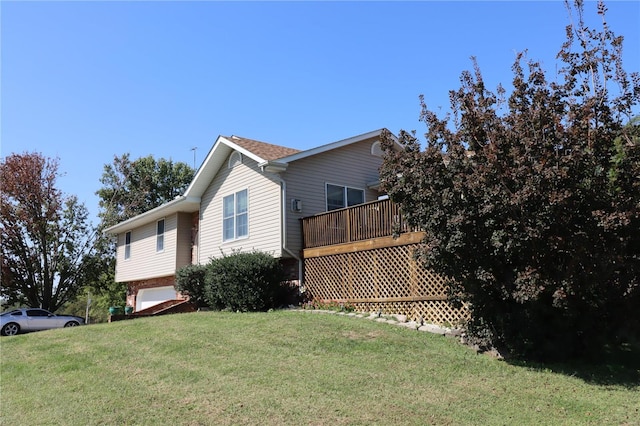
[194,156]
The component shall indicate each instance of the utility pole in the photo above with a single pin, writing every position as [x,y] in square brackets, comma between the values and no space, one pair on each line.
[194,156]
[86,314]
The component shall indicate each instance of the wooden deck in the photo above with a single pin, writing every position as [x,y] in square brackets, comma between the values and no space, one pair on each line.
[364,255]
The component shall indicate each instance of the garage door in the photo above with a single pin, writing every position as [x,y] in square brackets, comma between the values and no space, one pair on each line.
[148,297]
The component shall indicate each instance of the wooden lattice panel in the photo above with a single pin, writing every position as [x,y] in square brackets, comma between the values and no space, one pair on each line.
[386,280]
[440,312]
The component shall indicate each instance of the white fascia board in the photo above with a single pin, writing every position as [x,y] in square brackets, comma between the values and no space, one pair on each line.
[330,146]
[215,160]
[273,166]
[206,172]
[241,150]
[179,204]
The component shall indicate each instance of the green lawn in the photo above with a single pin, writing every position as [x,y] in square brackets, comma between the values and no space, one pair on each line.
[290,367]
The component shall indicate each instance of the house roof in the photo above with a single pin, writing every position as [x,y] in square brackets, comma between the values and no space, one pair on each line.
[268,156]
[263,150]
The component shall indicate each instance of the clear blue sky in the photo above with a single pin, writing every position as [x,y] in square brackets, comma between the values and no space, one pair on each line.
[86,81]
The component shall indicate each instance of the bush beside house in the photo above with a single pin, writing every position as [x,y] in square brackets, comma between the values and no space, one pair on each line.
[239,282]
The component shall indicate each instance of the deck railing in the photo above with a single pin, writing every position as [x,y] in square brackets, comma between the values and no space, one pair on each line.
[362,222]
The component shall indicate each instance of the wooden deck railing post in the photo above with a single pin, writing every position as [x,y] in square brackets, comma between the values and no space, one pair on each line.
[348,224]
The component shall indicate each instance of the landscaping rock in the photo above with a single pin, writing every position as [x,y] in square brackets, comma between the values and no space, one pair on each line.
[436,329]
[401,318]
[411,324]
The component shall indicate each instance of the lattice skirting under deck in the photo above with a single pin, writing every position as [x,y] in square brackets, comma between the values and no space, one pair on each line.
[386,280]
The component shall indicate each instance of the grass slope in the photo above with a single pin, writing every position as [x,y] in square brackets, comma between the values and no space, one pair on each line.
[284,367]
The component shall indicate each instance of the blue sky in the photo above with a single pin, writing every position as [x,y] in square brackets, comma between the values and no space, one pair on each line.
[86,81]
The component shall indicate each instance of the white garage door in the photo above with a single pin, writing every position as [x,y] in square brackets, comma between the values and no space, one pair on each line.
[148,297]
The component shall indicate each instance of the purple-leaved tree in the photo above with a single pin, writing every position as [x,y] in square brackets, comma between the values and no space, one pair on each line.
[530,200]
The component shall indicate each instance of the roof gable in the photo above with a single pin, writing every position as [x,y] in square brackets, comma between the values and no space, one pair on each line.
[261,152]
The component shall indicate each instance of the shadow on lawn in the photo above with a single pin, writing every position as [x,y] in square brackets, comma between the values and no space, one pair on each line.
[617,366]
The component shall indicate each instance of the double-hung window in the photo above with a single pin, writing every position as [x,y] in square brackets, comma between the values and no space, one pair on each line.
[235,216]
[343,196]
[160,235]
[127,245]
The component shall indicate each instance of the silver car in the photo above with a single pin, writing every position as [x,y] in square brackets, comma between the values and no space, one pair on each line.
[23,320]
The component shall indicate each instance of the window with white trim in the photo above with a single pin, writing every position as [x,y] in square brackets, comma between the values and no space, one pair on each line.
[376,149]
[234,159]
[127,245]
[160,235]
[342,196]
[235,216]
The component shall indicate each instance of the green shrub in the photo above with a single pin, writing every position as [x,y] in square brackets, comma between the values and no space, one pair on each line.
[190,280]
[244,282]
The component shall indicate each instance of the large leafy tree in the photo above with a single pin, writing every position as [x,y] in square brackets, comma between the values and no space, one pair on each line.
[130,188]
[531,202]
[48,251]
[133,187]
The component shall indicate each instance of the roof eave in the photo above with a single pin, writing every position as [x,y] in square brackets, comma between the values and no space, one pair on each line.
[179,204]
[330,146]
[273,166]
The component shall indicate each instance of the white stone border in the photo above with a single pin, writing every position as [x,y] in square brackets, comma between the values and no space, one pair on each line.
[399,320]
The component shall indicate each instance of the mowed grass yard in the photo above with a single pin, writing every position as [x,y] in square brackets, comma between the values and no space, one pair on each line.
[290,367]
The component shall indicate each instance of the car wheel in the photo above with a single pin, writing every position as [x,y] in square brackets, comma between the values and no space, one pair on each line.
[10,329]
[72,324]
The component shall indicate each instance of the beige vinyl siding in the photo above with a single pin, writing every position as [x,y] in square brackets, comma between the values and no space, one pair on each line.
[183,240]
[145,262]
[352,166]
[264,211]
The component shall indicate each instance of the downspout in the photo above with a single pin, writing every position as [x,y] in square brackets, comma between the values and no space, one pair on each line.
[283,233]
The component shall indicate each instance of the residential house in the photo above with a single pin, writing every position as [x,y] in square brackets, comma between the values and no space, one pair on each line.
[247,195]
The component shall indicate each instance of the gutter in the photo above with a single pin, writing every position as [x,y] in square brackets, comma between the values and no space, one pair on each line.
[283,232]
[273,167]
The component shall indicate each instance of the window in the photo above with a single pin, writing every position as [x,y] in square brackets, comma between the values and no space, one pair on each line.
[376,149]
[343,196]
[127,245]
[234,159]
[160,235]
[235,216]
